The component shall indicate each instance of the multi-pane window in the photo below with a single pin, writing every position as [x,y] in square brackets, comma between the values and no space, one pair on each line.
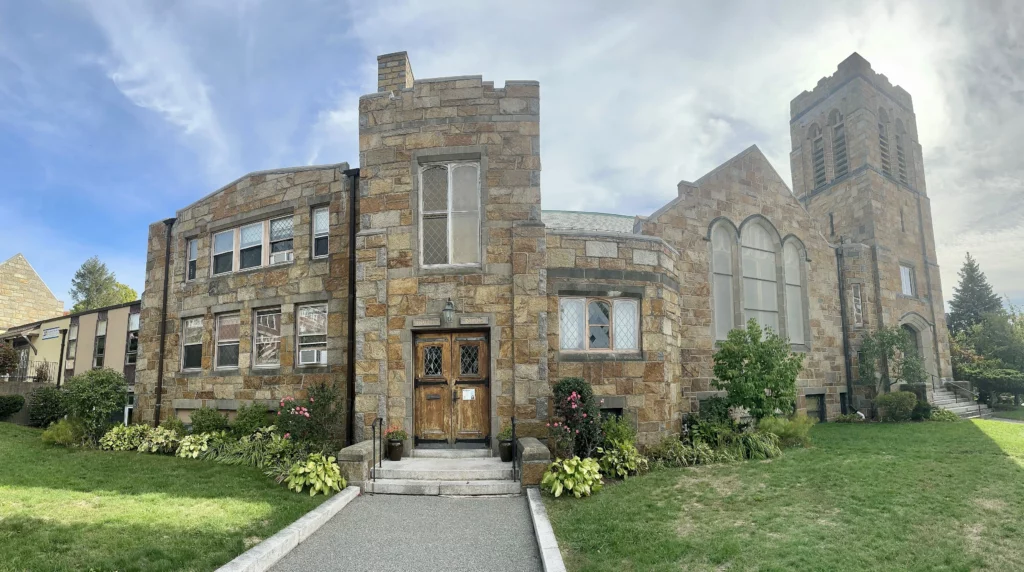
[722,245]
[817,156]
[224,252]
[131,350]
[760,283]
[227,340]
[599,323]
[815,407]
[321,231]
[193,256]
[450,214]
[192,343]
[794,293]
[281,231]
[858,306]
[907,280]
[267,338]
[311,322]
[72,345]
[100,347]
[250,250]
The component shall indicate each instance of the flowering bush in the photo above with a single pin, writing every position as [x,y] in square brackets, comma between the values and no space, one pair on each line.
[396,433]
[124,437]
[318,419]
[293,418]
[579,431]
[581,477]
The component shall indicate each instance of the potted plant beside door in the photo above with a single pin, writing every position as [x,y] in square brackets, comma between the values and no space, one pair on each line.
[506,447]
[396,437]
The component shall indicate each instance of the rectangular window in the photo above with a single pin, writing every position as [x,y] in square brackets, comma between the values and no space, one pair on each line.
[281,231]
[312,334]
[50,333]
[818,161]
[227,341]
[131,351]
[100,347]
[193,256]
[223,252]
[907,280]
[250,253]
[192,343]
[858,306]
[321,229]
[599,324]
[72,345]
[267,338]
[840,161]
[450,214]
[815,407]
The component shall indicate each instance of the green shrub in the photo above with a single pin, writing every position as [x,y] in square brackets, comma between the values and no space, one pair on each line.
[208,420]
[317,473]
[506,432]
[581,477]
[672,453]
[194,445]
[621,459]
[250,418]
[124,438]
[564,387]
[46,406]
[714,409]
[65,433]
[617,430]
[888,357]
[8,360]
[849,418]
[758,370]
[579,431]
[896,406]
[922,411]
[93,396]
[160,440]
[792,432]
[318,419]
[715,434]
[759,446]
[944,416]
[10,404]
[176,425]
[263,449]
[220,445]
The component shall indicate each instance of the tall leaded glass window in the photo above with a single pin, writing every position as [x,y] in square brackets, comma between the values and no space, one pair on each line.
[722,250]
[450,214]
[251,246]
[599,324]
[794,293]
[760,283]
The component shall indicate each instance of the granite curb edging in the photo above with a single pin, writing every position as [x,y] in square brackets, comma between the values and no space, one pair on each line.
[261,557]
[547,544]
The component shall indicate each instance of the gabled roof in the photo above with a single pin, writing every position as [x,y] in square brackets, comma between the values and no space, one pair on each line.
[20,260]
[281,171]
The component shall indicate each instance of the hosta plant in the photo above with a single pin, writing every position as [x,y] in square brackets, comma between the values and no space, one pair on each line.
[944,415]
[124,437]
[579,477]
[317,473]
[194,445]
[621,459]
[160,440]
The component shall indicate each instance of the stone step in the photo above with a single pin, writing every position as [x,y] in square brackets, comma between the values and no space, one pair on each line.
[438,469]
[968,409]
[445,488]
[947,402]
[450,453]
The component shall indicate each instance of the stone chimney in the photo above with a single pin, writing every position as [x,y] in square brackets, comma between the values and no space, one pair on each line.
[394,72]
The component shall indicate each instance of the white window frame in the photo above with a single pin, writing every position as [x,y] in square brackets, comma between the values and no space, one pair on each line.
[304,345]
[184,326]
[321,234]
[69,359]
[290,253]
[611,301]
[234,252]
[908,281]
[257,341]
[191,259]
[261,245]
[449,167]
[131,357]
[218,341]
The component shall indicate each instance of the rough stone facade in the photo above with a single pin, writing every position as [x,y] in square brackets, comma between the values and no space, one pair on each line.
[24,296]
[528,263]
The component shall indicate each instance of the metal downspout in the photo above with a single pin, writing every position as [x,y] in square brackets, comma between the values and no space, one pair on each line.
[163,324]
[845,326]
[350,363]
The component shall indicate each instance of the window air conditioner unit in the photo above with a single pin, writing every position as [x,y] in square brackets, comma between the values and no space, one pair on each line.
[312,357]
[282,257]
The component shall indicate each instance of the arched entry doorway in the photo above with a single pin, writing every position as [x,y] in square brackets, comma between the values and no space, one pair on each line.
[921,337]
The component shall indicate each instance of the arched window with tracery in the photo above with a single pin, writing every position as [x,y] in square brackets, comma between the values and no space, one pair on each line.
[840,160]
[817,155]
[760,281]
[793,258]
[723,249]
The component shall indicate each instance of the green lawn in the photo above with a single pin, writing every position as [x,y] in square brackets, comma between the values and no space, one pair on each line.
[914,496]
[66,509]
[1016,413]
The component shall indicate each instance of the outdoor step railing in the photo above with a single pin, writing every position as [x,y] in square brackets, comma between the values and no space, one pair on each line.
[961,388]
[377,462]
[515,452]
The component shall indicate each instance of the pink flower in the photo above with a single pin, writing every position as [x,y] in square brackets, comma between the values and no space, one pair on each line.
[584,415]
[311,400]
[278,412]
[556,423]
[547,425]
[577,431]
[287,435]
[574,406]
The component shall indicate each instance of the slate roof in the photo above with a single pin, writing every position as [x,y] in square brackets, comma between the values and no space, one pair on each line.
[576,220]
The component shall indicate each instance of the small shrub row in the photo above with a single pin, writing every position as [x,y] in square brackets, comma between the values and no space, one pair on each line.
[896,406]
[579,477]
[944,416]
[792,432]
[10,404]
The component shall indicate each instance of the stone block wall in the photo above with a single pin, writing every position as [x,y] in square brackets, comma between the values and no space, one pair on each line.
[24,297]
[254,197]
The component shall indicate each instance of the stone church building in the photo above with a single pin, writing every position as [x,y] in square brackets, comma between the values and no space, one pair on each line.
[428,285]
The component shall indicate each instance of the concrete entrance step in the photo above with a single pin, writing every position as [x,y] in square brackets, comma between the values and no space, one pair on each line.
[439,469]
[442,487]
[450,453]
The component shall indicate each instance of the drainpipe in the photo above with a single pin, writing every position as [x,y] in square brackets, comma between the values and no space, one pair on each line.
[844,322]
[60,361]
[350,363]
[169,223]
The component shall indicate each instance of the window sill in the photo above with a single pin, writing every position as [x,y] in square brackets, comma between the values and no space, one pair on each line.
[225,369]
[249,270]
[585,355]
[190,373]
[452,269]
[265,370]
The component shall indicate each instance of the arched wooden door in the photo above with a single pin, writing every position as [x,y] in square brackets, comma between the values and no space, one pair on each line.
[452,389]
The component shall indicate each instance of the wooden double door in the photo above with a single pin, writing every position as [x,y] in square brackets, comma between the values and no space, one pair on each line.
[452,389]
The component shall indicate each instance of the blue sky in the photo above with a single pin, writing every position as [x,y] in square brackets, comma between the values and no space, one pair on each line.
[114,113]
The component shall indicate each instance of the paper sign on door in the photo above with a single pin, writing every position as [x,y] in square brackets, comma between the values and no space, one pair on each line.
[468,394]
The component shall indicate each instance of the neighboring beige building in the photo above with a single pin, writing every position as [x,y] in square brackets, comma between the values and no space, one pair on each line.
[24,296]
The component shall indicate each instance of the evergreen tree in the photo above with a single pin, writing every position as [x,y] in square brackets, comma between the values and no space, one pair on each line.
[972,298]
[95,287]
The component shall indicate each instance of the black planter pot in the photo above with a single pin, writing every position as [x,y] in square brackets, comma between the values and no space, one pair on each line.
[395,450]
[506,449]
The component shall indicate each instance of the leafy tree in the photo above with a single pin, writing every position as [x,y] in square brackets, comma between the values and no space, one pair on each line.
[997,337]
[972,298]
[758,371]
[888,357]
[93,286]
[8,360]
[92,397]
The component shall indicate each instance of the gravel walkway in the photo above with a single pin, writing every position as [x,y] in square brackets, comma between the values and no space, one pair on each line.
[383,533]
